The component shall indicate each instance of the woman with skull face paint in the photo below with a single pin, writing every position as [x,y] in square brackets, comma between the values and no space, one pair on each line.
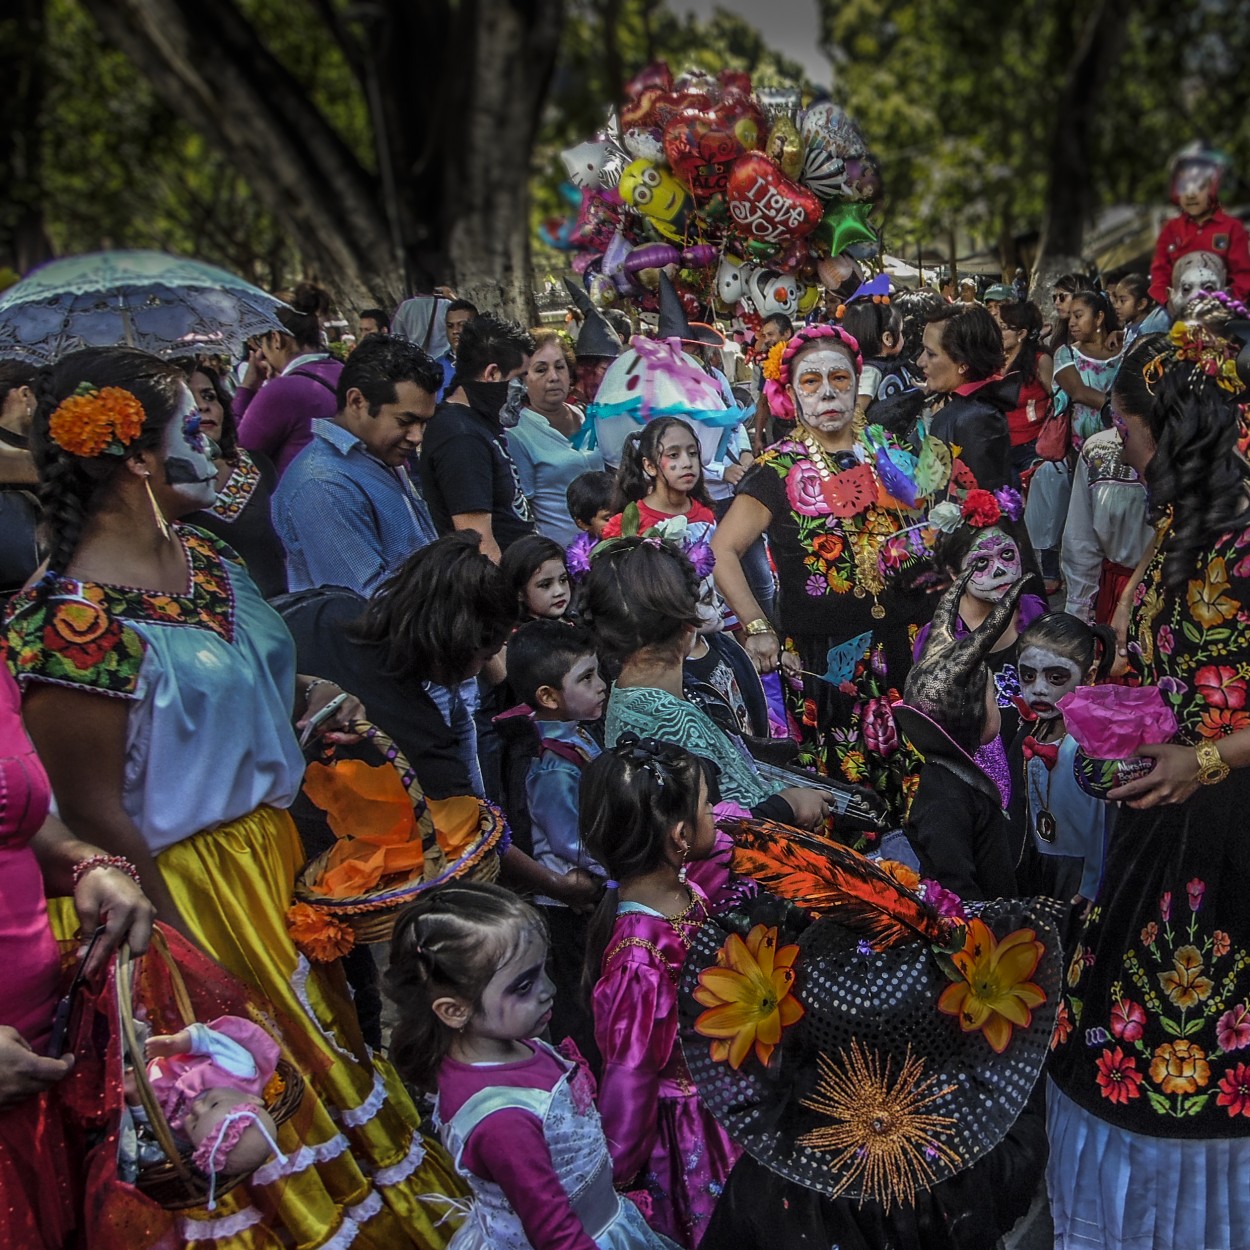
[985,548]
[1150,1140]
[159,689]
[1067,829]
[839,540]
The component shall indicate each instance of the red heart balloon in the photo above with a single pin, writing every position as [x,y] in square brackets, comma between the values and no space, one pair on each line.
[765,205]
[702,145]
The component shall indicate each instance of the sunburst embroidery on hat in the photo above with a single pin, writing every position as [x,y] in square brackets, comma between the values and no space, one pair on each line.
[885,1139]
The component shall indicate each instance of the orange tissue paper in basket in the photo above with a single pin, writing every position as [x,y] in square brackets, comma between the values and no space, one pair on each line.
[378,830]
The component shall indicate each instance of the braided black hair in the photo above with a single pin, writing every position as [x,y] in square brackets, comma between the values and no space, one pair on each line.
[72,488]
[1196,472]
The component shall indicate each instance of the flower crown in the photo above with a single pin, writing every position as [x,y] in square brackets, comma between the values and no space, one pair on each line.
[777,392]
[979,508]
[1208,354]
[97,422]
[671,533]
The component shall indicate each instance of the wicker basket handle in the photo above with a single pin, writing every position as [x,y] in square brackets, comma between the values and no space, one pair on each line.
[123,976]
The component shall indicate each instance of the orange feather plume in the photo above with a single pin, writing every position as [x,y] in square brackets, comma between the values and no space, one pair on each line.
[832,880]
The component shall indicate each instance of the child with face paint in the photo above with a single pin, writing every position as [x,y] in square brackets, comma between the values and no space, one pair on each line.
[991,557]
[661,476]
[1067,829]
[957,824]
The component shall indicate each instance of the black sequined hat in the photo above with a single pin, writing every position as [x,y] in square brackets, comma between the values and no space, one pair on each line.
[947,683]
[889,1081]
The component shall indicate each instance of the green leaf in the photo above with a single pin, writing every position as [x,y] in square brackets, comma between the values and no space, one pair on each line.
[1191,1106]
[1171,1029]
[1190,631]
[1159,1103]
[1194,1026]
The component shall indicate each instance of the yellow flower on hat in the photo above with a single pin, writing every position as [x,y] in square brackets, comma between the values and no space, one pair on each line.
[749,996]
[994,993]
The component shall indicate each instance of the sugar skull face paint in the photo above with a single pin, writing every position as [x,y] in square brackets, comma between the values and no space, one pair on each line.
[994,561]
[188,454]
[1045,677]
[824,389]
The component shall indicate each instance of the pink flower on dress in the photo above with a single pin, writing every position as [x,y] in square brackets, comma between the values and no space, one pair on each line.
[1235,1090]
[803,490]
[944,902]
[1195,889]
[1232,1030]
[1165,906]
[1165,640]
[880,732]
[1128,1020]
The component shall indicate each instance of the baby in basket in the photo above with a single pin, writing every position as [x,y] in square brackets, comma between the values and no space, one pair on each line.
[209,1080]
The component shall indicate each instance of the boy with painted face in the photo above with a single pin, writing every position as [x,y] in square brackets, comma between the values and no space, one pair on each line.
[1202,225]
[1067,829]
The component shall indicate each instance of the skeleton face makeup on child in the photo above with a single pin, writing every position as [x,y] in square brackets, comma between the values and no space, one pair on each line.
[709,608]
[994,560]
[824,389]
[188,456]
[1045,677]
[1197,271]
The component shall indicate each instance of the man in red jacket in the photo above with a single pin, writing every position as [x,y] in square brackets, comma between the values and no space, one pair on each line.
[1202,225]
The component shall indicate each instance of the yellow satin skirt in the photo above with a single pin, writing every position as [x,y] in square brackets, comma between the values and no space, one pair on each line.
[359,1172]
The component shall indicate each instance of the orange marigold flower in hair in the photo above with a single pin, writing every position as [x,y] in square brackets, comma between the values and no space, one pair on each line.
[771,368]
[91,422]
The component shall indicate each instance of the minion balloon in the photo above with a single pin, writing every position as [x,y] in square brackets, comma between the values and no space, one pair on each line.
[657,195]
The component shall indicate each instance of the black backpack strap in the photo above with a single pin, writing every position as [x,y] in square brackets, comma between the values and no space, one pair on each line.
[303,373]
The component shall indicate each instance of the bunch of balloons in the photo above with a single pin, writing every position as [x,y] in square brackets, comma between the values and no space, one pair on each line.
[751,202]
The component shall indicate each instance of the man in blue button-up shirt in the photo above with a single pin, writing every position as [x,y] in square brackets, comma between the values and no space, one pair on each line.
[346,509]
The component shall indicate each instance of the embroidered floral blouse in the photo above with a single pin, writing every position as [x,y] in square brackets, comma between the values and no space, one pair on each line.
[821,556]
[209,676]
[1153,1034]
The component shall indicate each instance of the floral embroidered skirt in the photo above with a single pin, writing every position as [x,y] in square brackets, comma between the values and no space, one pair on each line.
[848,731]
[1153,1034]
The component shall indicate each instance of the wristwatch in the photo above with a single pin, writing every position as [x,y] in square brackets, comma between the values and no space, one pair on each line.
[1212,768]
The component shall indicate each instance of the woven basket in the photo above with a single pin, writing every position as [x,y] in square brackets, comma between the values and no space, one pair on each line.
[175,1184]
[371,915]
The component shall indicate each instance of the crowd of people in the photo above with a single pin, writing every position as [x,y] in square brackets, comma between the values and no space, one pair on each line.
[768,727]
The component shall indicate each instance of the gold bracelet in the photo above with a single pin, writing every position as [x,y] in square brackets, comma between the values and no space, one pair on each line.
[761,625]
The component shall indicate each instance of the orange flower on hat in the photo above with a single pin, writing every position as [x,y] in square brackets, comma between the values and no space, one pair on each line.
[994,993]
[749,996]
[318,936]
[91,422]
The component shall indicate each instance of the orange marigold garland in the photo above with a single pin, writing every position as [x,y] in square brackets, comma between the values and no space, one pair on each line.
[95,422]
[318,936]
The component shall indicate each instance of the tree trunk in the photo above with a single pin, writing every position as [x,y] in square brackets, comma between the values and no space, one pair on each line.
[1069,197]
[509,54]
[23,38]
[452,202]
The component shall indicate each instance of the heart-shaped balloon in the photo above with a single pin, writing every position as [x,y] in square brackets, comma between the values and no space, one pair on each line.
[702,145]
[765,205]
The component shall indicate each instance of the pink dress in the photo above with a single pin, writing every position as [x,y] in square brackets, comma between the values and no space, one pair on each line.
[657,1129]
[38,1180]
[229,1053]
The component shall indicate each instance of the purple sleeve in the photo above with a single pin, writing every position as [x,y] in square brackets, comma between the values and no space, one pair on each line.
[242,401]
[267,423]
[509,1149]
[635,1010]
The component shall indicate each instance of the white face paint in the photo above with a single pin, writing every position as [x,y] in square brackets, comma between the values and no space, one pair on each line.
[823,384]
[1045,677]
[709,608]
[1193,274]
[995,563]
[188,458]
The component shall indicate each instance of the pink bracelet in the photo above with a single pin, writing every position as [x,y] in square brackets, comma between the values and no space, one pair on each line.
[120,862]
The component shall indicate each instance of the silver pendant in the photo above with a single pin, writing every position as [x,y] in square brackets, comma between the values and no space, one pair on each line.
[1046,826]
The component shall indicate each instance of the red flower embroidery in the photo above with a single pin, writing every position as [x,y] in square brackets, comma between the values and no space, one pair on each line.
[1235,1090]
[1220,686]
[1149,934]
[1128,1020]
[1221,943]
[1063,1025]
[1118,1077]
[1165,906]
